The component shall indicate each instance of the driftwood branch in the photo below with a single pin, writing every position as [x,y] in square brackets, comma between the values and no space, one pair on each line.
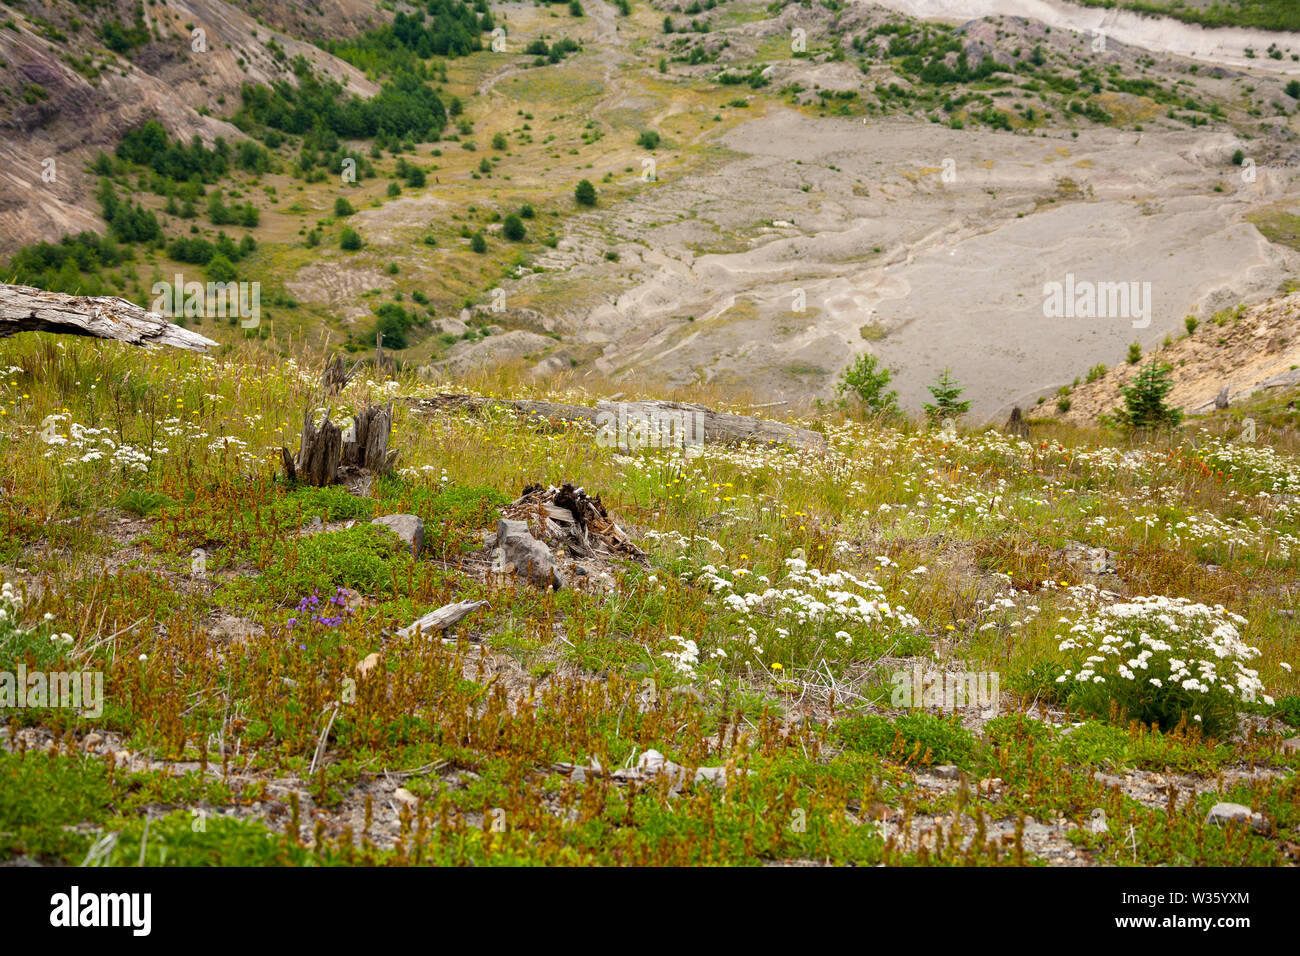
[624,418]
[441,619]
[26,309]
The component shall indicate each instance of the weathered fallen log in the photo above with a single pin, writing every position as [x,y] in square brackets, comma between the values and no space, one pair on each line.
[644,424]
[1284,380]
[441,619]
[26,309]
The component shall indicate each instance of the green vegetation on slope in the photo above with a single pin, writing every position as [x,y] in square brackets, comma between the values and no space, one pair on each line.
[764,636]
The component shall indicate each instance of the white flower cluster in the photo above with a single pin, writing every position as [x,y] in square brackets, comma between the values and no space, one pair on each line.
[1273,471]
[681,540]
[11,602]
[685,657]
[11,605]
[83,445]
[810,596]
[90,444]
[1166,641]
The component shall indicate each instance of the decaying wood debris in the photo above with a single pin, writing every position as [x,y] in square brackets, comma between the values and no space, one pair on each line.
[568,517]
[337,375]
[368,448]
[27,309]
[325,453]
[711,426]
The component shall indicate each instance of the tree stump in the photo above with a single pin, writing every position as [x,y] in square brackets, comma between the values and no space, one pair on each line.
[1221,400]
[323,453]
[1016,424]
[368,447]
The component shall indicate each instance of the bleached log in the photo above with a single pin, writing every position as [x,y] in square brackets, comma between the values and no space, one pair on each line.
[27,309]
[441,619]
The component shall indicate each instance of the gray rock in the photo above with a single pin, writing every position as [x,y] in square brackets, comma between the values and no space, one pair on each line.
[407,527]
[946,771]
[1107,780]
[1088,559]
[652,761]
[1291,745]
[530,559]
[1222,813]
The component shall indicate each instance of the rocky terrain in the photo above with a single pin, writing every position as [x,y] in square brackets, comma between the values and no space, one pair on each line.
[875,227]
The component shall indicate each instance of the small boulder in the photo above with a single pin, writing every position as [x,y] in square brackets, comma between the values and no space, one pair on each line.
[407,527]
[530,558]
[1222,813]
[651,762]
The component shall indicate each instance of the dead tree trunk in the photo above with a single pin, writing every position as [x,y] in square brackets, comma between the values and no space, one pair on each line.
[25,309]
[337,375]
